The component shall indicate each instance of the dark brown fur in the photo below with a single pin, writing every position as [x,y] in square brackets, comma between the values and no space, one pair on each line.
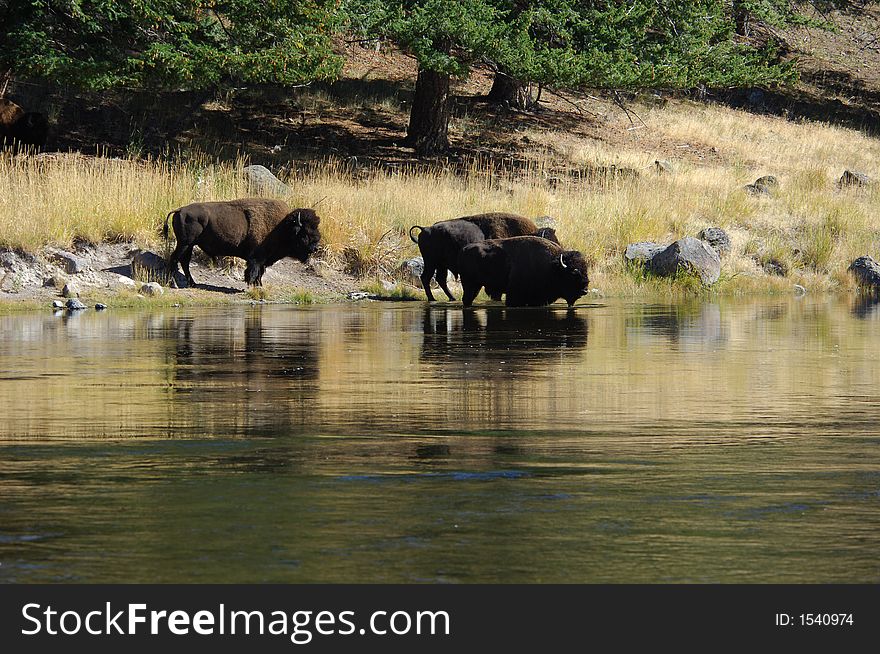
[441,244]
[529,270]
[257,230]
[20,127]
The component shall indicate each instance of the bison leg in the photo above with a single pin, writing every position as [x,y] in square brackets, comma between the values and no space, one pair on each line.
[469,293]
[185,258]
[253,272]
[427,274]
[442,275]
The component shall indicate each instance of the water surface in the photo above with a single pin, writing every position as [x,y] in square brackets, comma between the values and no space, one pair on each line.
[731,441]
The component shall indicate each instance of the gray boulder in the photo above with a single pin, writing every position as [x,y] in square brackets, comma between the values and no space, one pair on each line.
[768,182]
[717,238]
[148,266]
[690,255]
[9,260]
[261,180]
[152,289]
[853,179]
[642,252]
[75,305]
[70,263]
[57,304]
[410,271]
[867,273]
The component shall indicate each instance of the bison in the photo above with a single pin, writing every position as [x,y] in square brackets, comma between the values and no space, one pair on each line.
[20,127]
[257,230]
[530,271]
[442,243]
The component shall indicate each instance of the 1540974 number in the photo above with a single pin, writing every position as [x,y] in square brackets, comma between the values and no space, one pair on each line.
[825,619]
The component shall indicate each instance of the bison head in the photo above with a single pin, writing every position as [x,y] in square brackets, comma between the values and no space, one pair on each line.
[302,233]
[549,233]
[572,270]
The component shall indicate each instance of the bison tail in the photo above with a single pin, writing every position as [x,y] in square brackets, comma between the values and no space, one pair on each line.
[413,238]
[165,226]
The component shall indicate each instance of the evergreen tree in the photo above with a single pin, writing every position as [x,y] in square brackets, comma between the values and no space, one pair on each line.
[100,44]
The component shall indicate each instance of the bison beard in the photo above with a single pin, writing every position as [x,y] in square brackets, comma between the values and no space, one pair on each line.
[530,271]
[259,231]
[441,244]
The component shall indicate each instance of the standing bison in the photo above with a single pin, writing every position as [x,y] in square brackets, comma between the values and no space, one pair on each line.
[530,271]
[259,231]
[19,127]
[442,243]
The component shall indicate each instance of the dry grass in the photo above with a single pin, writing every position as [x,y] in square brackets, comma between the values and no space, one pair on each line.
[810,227]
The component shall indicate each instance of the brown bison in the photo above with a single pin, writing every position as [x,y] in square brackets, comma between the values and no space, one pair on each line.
[441,244]
[20,127]
[257,230]
[528,270]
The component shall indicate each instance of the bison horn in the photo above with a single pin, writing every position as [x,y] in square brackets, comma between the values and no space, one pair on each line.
[299,222]
[561,262]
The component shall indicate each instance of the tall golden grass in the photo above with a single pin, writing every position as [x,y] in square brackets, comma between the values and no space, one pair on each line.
[809,227]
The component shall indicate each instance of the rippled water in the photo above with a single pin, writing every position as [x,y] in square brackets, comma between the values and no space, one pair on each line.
[702,442]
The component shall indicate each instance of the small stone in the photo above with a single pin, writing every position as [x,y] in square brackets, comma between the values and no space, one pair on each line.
[717,238]
[122,280]
[100,306]
[75,305]
[70,290]
[57,304]
[71,263]
[800,290]
[768,182]
[176,305]
[152,289]
[358,295]
[851,179]
[9,260]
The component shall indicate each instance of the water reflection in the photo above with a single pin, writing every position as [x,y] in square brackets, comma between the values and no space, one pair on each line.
[717,441]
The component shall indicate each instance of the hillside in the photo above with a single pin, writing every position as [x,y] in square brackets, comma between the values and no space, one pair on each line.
[587,159]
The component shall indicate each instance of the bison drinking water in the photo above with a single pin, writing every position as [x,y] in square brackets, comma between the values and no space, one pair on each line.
[259,231]
[530,271]
[442,243]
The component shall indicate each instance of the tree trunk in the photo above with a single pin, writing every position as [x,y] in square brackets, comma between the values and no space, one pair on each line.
[428,130]
[510,92]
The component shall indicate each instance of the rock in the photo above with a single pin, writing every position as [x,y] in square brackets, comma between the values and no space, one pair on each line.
[57,304]
[853,179]
[55,281]
[663,166]
[75,305]
[9,260]
[71,263]
[70,290]
[145,265]
[642,252]
[768,182]
[752,189]
[359,295]
[799,290]
[152,289]
[122,280]
[774,267]
[717,238]
[867,273]
[261,180]
[100,306]
[688,254]
[410,271]
[545,222]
